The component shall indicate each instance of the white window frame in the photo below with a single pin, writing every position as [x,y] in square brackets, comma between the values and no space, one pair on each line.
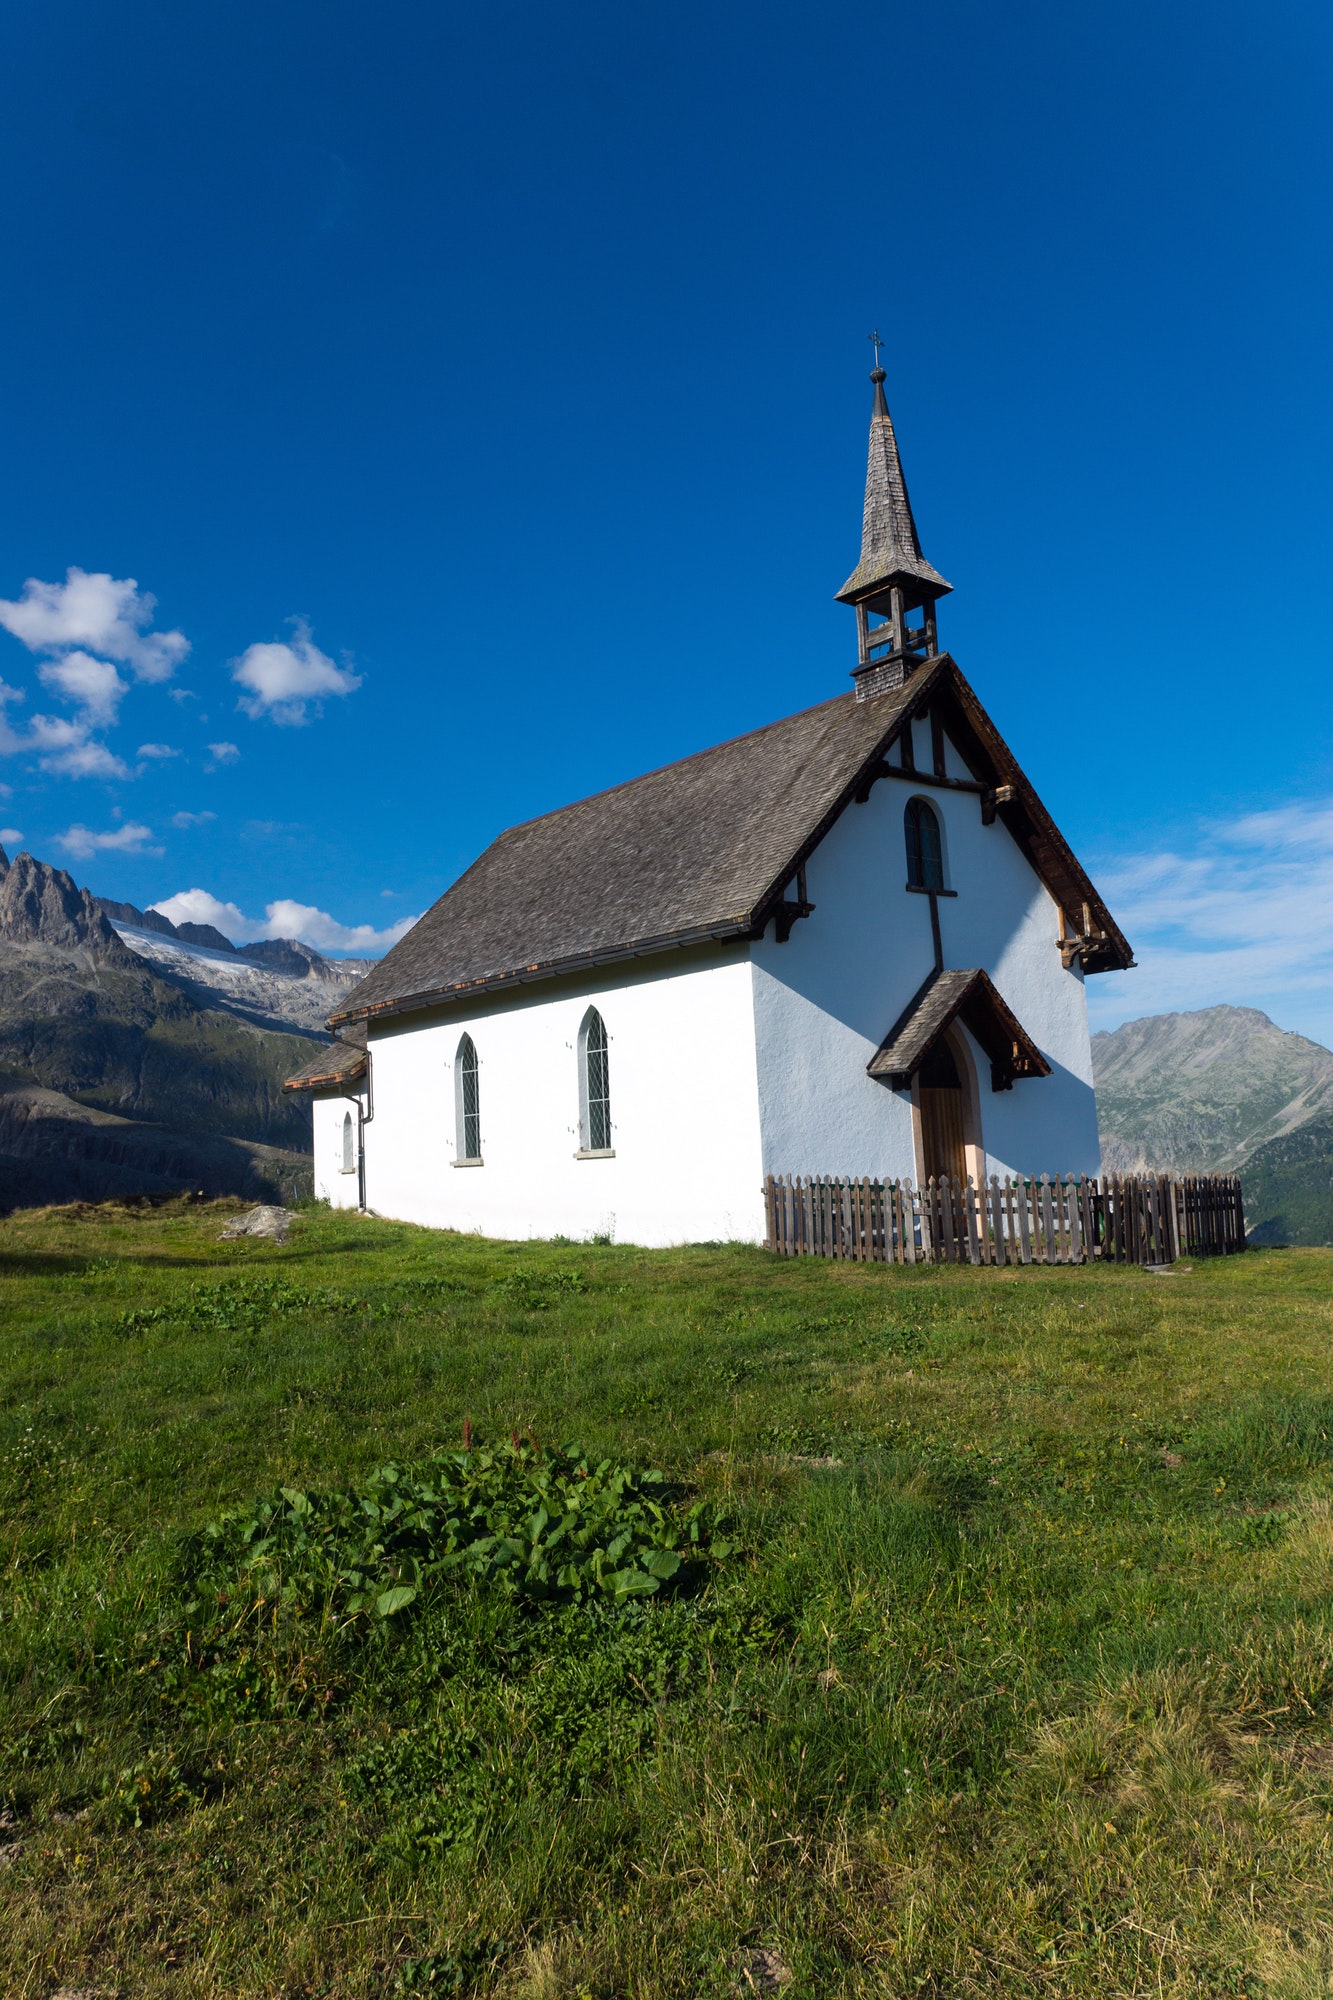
[467,1062]
[587,1101]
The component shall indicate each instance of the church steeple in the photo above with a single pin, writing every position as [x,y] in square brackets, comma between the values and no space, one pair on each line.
[892,578]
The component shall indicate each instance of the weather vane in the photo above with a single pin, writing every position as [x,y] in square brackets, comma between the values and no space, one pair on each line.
[876,342]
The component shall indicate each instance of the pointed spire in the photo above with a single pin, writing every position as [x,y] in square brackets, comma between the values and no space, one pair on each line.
[890,549]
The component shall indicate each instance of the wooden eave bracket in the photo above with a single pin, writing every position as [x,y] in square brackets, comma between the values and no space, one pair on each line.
[786,914]
[1081,950]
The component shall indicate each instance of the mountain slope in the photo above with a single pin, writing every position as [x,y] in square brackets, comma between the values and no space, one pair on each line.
[88,1027]
[1288,1187]
[53,1149]
[1202,1092]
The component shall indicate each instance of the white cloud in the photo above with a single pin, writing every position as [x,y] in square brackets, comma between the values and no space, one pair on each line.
[285,679]
[197,906]
[156,750]
[283,918]
[82,842]
[1239,916]
[109,615]
[91,685]
[184,820]
[302,920]
[65,749]
[9,836]
[223,753]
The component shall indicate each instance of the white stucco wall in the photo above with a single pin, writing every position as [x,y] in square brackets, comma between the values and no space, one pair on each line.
[825,1000]
[684,1110]
[339,1189]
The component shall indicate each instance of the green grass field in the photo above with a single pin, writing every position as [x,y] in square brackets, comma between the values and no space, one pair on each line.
[1005,1668]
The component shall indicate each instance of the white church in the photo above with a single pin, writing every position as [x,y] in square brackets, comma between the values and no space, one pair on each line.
[853,942]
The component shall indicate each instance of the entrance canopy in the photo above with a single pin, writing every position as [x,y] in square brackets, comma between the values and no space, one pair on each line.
[969,997]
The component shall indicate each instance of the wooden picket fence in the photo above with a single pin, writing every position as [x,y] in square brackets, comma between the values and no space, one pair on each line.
[1120,1218]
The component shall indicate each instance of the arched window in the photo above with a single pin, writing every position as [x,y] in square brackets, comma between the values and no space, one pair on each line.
[594,1086]
[349,1145]
[467,1101]
[925,849]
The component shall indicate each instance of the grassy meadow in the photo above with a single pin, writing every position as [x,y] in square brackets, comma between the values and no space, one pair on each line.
[1001,1662]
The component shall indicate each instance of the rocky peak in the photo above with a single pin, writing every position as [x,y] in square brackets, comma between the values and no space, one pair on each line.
[129,913]
[4,864]
[286,955]
[206,934]
[41,904]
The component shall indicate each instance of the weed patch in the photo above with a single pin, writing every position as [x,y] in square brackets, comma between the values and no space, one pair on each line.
[537,1522]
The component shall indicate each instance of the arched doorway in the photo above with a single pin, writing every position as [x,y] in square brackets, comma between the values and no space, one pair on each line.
[940,1097]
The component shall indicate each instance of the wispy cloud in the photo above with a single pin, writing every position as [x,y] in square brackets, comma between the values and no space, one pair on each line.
[10,836]
[93,686]
[284,681]
[156,750]
[221,753]
[1238,914]
[183,820]
[283,918]
[83,841]
[108,615]
[66,749]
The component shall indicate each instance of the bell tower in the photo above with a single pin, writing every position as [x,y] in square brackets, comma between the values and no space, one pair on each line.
[893,579]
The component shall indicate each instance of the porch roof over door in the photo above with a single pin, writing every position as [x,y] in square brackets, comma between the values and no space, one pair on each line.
[970,997]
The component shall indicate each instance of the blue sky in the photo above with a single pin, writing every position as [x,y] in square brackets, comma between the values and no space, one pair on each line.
[481,397]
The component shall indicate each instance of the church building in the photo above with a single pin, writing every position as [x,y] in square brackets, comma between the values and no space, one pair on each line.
[853,942]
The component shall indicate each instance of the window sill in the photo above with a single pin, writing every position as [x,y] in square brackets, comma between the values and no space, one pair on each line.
[467,1163]
[347,1170]
[915,889]
[595,1153]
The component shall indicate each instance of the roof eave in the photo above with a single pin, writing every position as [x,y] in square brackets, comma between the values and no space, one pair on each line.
[870,577]
[1037,834]
[743,926]
[328,1078]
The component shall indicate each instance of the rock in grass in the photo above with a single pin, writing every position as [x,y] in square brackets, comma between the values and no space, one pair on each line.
[262,1221]
[766,1971]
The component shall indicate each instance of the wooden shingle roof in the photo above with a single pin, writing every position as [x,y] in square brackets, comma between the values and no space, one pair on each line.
[970,997]
[340,1062]
[890,545]
[700,850]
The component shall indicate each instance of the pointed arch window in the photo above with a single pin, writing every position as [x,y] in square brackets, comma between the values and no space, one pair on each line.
[467,1103]
[349,1145]
[925,848]
[594,1086]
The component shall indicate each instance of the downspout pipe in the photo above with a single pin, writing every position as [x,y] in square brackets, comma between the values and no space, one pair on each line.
[365,1112]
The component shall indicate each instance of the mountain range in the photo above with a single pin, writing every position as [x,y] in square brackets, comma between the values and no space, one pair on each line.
[1224,1090]
[138,1058]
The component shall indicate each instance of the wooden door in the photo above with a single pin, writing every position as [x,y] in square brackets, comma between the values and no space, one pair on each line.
[940,1094]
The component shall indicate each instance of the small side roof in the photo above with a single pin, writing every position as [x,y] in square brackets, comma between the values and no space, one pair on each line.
[970,997]
[699,851]
[341,1061]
